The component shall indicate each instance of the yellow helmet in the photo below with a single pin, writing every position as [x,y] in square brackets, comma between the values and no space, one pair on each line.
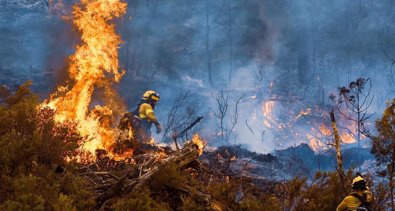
[151,95]
[359,183]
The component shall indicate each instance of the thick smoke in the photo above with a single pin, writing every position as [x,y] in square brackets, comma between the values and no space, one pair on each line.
[295,53]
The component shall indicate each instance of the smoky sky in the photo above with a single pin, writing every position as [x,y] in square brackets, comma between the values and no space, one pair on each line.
[256,48]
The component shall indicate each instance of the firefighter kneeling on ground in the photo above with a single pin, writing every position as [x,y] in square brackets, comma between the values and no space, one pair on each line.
[359,199]
[136,125]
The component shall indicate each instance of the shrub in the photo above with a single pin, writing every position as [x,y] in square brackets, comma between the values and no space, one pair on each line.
[32,146]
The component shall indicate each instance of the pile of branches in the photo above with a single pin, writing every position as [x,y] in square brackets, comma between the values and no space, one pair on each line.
[111,179]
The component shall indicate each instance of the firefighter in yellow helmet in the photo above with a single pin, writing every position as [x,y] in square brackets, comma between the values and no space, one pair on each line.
[135,126]
[142,118]
[145,111]
[359,199]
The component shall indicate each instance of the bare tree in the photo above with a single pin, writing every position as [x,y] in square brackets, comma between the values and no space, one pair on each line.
[222,103]
[222,113]
[383,146]
[180,115]
[234,119]
[357,100]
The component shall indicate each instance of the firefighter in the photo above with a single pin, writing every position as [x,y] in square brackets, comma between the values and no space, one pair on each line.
[145,111]
[136,125]
[359,199]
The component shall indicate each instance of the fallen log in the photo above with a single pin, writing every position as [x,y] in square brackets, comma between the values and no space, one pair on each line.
[189,153]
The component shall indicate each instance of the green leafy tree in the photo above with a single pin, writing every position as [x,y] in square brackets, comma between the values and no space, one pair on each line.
[383,146]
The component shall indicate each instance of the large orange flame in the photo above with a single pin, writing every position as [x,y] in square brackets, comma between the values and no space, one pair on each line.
[93,66]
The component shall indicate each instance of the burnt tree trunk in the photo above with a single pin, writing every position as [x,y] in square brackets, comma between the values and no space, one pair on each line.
[337,147]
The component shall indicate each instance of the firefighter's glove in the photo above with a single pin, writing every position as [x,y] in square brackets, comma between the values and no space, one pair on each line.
[158,128]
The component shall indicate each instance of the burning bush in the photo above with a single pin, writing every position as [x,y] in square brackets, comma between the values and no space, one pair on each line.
[30,138]
[34,146]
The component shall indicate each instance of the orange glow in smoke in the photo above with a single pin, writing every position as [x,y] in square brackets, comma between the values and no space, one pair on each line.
[318,136]
[267,110]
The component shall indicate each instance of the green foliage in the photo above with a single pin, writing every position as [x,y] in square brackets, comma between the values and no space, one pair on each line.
[33,145]
[73,187]
[64,203]
[191,204]
[30,138]
[165,191]
[267,203]
[141,201]
[224,192]
[323,192]
[168,176]
[30,192]
[168,184]
[240,194]
[383,146]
